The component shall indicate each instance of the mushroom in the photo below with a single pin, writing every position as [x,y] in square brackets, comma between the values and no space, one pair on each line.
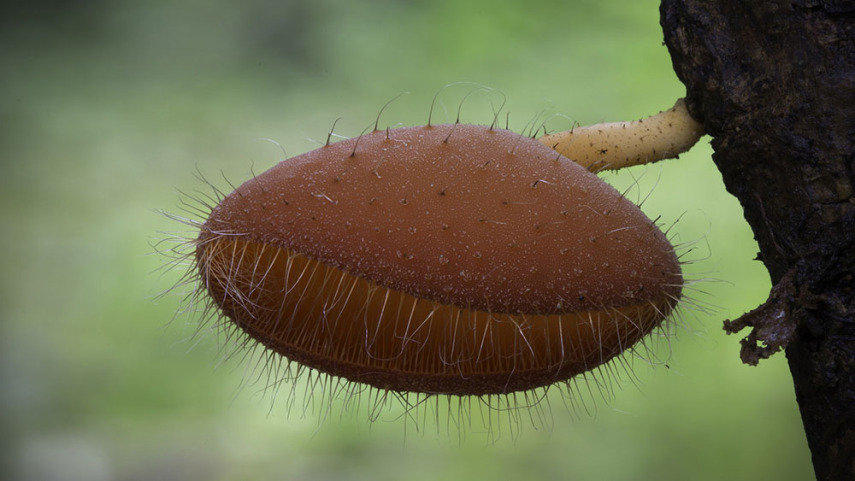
[456,259]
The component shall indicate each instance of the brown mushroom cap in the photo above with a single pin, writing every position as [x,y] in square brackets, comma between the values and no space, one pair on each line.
[487,227]
[488,220]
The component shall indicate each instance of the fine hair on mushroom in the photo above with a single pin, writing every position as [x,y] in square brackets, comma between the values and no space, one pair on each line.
[451,268]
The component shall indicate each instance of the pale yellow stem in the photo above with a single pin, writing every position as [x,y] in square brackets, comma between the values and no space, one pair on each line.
[623,144]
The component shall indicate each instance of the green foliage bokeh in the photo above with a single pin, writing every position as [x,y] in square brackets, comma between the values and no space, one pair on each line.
[108,107]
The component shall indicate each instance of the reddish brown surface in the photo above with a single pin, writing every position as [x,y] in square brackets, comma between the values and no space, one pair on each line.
[489,220]
[453,259]
[346,326]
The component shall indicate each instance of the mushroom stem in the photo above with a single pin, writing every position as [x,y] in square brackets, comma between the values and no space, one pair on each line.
[615,145]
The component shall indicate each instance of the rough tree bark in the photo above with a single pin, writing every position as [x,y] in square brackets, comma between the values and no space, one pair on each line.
[774,84]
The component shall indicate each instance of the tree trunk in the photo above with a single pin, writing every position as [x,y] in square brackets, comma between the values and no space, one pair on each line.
[774,84]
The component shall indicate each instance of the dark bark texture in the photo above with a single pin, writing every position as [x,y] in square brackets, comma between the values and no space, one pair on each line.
[774,84]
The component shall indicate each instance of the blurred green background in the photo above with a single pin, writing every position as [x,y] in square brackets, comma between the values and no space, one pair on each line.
[108,107]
